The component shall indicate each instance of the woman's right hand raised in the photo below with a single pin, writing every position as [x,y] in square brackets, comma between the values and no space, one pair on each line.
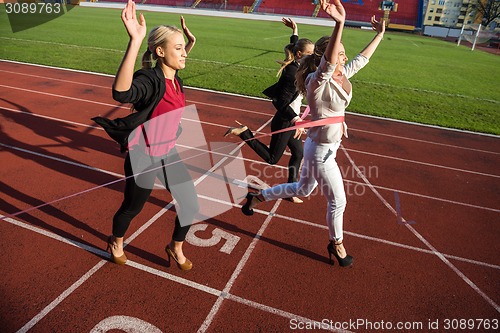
[335,10]
[289,23]
[135,29]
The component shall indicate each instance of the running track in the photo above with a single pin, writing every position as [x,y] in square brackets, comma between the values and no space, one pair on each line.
[422,224]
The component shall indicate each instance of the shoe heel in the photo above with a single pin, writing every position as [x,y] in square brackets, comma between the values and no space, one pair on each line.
[246,207]
[236,130]
[121,260]
[229,131]
[186,266]
[343,262]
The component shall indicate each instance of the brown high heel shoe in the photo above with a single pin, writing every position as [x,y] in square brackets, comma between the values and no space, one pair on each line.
[236,130]
[186,266]
[121,260]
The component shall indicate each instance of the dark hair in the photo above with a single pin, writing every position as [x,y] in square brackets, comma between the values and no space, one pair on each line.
[291,51]
[310,63]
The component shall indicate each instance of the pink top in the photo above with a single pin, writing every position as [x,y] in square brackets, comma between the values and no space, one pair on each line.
[158,135]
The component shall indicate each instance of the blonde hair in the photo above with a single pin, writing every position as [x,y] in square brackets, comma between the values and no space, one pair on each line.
[158,36]
[291,51]
[310,63]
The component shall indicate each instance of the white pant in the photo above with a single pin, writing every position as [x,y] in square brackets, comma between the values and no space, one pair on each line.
[320,168]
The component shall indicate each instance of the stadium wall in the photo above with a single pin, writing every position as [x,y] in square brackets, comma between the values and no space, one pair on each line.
[359,12]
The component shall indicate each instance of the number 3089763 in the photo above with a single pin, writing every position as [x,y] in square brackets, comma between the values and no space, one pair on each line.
[32,8]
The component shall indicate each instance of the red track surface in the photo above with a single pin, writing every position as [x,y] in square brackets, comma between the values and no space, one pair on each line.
[57,278]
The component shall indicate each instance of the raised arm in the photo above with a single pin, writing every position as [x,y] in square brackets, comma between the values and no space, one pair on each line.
[379,27]
[291,24]
[136,31]
[336,11]
[190,37]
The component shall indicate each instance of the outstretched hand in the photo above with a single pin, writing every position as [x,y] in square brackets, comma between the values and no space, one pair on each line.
[135,29]
[335,10]
[298,133]
[378,26]
[190,37]
[289,23]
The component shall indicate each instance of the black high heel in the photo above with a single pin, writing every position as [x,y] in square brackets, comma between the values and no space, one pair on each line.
[246,207]
[343,262]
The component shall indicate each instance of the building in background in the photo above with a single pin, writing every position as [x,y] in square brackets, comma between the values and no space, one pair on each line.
[452,13]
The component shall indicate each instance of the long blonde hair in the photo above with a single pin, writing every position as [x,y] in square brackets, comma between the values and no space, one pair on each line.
[291,51]
[310,63]
[158,36]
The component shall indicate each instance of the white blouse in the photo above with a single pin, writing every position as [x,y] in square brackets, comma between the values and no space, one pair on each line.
[327,98]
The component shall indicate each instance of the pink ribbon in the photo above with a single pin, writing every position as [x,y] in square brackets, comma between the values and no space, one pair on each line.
[304,124]
[306,112]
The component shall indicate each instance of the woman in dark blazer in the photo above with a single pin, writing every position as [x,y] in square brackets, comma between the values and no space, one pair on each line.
[155,92]
[287,101]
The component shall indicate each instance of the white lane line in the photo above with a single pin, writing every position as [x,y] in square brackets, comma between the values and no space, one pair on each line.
[99,127]
[429,91]
[80,165]
[259,131]
[119,106]
[277,166]
[423,163]
[61,298]
[219,63]
[260,162]
[49,118]
[144,268]
[423,240]
[174,278]
[263,163]
[56,237]
[496,210]
[264,99]
[386,242]
[262,113]
[64,97]
[273,69]
[67,292]
[218,293]
[292,219]
[61,44]
[216,307]
[52,305]
[285,314]
[427,142]
[56,79]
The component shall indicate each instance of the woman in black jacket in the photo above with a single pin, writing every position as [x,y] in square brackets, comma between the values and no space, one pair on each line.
[287,101]
[156,93]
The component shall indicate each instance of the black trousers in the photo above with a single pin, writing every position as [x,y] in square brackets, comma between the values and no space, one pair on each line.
[173,174]
[279,142]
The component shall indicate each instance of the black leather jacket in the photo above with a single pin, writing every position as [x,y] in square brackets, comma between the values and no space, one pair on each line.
[284,91]
[147,90]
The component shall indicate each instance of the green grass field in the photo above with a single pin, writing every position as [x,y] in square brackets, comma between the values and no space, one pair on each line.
[410,77]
